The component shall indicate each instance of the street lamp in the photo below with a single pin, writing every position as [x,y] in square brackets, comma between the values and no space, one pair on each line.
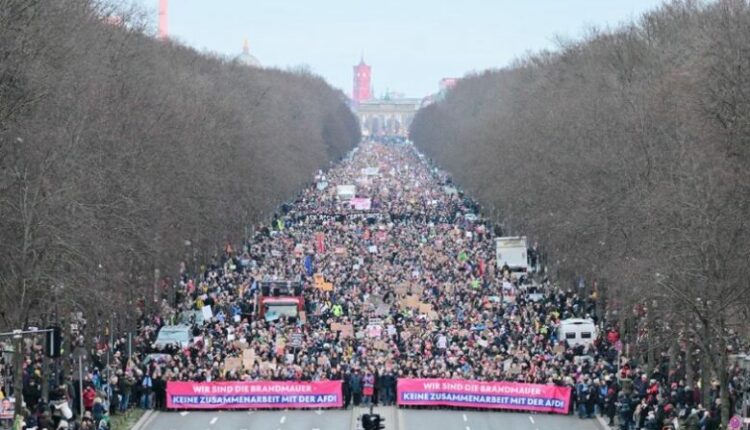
[8,354]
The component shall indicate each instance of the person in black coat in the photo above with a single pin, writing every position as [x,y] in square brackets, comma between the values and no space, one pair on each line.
[346,390]
[160,392]
[355,384]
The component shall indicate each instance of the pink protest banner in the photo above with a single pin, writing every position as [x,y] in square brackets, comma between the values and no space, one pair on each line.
[485,395]
[254,395]
[361,203]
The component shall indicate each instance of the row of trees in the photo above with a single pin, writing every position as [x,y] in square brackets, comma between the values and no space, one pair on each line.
[628,155]
[121,155]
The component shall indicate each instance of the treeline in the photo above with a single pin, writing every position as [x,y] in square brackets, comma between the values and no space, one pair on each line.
[122,155]
[627,156]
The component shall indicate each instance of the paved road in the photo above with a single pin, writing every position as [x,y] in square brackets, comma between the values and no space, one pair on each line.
[257,420]
[411,419]
[408,419]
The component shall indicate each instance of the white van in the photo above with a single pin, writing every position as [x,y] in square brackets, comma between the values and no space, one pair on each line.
[346,192]
[512,250]
[577,331]
[174,335]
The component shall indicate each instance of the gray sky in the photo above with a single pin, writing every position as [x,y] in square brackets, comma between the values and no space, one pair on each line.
[410,44]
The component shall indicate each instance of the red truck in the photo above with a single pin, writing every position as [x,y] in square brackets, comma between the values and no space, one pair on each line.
[280,299]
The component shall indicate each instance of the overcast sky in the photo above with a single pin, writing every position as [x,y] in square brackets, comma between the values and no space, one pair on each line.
[410,44]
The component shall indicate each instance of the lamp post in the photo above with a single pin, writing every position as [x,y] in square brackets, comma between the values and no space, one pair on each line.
[56,291]
[8,354]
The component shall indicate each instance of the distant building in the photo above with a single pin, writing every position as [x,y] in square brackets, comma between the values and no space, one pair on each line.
[247,58]
[387,116]
[362,90]
[391,114]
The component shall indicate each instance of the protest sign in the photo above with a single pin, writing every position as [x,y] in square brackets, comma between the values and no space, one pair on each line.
[483,395]
[232,364]
[254,395]
[207,312]
[248,358]
[424,308]
[412,301]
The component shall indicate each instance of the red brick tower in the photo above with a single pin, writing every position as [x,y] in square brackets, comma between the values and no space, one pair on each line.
[361,82]
[163,19]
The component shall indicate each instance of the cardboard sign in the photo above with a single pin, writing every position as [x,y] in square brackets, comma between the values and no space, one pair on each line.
[347,330]
[326,286]
[318,278]
[401,290]
[381,345]
[412,301]
[232,364]
[248,358]
[424,308]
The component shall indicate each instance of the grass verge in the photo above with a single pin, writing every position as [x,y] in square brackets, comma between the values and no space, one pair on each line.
[127,420]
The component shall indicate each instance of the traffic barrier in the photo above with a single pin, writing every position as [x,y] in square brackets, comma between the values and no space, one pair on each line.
[483,395]
[254,395]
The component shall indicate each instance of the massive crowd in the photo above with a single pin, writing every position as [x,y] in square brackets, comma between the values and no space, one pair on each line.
[416,292]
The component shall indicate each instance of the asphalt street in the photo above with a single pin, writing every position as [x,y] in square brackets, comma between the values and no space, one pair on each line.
[403,419]
[251,420]
[489,420]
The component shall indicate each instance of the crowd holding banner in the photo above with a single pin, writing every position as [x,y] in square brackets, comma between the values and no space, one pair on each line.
[484,395]
[254,395]
[403,304]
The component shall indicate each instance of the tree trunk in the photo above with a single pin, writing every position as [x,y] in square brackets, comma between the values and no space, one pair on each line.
[689,373]
[674,351]
[724,378]
[706,368]
[651,339]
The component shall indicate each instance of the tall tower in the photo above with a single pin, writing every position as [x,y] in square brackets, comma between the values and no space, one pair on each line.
[163,19]
[362,76]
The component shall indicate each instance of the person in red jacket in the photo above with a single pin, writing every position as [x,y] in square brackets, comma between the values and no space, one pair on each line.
[89,394]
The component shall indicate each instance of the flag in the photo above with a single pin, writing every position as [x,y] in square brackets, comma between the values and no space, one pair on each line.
[320,242]
[309,264]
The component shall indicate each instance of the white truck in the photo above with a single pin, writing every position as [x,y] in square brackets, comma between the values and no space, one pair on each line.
[511,251]
[346,192]
[577,331]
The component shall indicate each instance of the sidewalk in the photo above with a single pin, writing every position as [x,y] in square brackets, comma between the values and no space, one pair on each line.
[603,423]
